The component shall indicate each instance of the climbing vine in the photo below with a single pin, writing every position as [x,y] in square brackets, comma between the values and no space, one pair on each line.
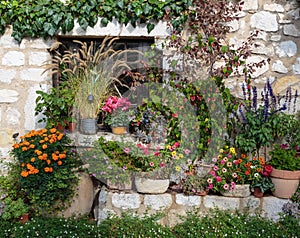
[45,18]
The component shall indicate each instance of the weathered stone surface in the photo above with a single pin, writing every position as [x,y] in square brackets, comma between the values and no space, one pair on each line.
[251,203]
[275,37]
[5,136]
[220,202]
[234,25]
[279,67]
[294,14]
[13,58]
[82,202]
[8,96]
[291,30]
[13,116]
[271,207]
[286,48]
[256,59]
[188,200]
[250,5]
[37,43]
[241,190]
[273,7]
[33,74]
[126,201]
[262,49]
[265,21]
[296,67]
[7,41]
[158,202]
[6,76]
[281,84]
[145,185]
[174,216]
[38,58]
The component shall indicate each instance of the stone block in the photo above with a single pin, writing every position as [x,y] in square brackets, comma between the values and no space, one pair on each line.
[286,49]
[271,207]
[6,76]
[126,201]
[13,116]
[5,137]
[33,74]
[273,7]
[265,21]
[250,5]
[158,202]
[8,96]
[182,199]
[13,58]
[38,58]
[252,204]
[221,202]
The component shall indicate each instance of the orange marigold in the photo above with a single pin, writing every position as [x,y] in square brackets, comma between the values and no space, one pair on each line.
[243,156]
[59,162]
[44,146]
[16,146]
[54,157]
[31,146]
[53,130]
[46,169]
[24,148]
[32,160]
[48,161]
[24,174]
[62,156]
[247,172]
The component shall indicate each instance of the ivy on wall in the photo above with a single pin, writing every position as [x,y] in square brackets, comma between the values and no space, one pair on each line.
[45,18]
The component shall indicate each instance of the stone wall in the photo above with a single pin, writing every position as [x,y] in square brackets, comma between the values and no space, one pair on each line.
[21,70]
[175,205]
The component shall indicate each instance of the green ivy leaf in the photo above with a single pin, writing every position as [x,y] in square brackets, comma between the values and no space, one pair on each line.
[83,23]
[104,21]
[138,11]
[68,24]
[150,27]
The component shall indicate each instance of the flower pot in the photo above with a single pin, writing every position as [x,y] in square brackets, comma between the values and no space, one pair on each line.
[257,192]
[89,126]
[60,127]
[71,126]
[240,190]
[24,218]
[151,186]
[285,182]
[119,130]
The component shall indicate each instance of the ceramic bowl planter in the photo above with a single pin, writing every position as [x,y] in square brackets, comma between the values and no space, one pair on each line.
[151,186]
[285,182]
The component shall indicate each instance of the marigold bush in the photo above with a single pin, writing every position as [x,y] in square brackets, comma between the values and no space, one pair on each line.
[47,164]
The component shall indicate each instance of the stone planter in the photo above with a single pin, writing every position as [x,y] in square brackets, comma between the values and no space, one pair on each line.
[285,182]
[121,186]
[241,190]
[151,186]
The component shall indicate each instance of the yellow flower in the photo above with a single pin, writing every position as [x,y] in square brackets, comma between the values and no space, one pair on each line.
[180,156]
[232,150]
[221,150]
[206,120]
[173,153]
[177,168]
[168,147]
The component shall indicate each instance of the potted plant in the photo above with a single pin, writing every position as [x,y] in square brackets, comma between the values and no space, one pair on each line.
[286,170]
[195,185]
[232,174]
[15,209]
[55,107]
[262,182]
[118,113]
[46,169]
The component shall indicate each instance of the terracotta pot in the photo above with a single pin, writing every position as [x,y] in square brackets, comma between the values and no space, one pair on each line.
[258,193]
[120,130]
[285,182]
[71,126]
[24,218]
[60,127]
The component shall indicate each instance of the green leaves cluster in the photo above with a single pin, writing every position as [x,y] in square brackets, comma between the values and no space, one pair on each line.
[45,18]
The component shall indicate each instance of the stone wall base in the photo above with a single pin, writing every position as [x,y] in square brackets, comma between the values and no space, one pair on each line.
[175,205]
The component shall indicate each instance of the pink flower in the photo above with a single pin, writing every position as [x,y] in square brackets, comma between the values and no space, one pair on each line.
[210,186]
[192,98]
[214,159]
[213,173]
[218,179]
[124,168]
[151,164]
[187,151]
[229,156]
[156,153]
[146,151]
[174,114]
[216,168]
[222,161]
[226,186]
[127,150]
[176,144]
[162,165]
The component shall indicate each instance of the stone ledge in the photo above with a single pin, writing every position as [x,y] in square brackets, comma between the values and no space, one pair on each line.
[179,204]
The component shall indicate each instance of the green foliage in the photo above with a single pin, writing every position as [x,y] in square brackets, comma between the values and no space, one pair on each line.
[283,157]
[45,18]
[215,224]
[264,183]
[14,209]
[55,105]
[194,184]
